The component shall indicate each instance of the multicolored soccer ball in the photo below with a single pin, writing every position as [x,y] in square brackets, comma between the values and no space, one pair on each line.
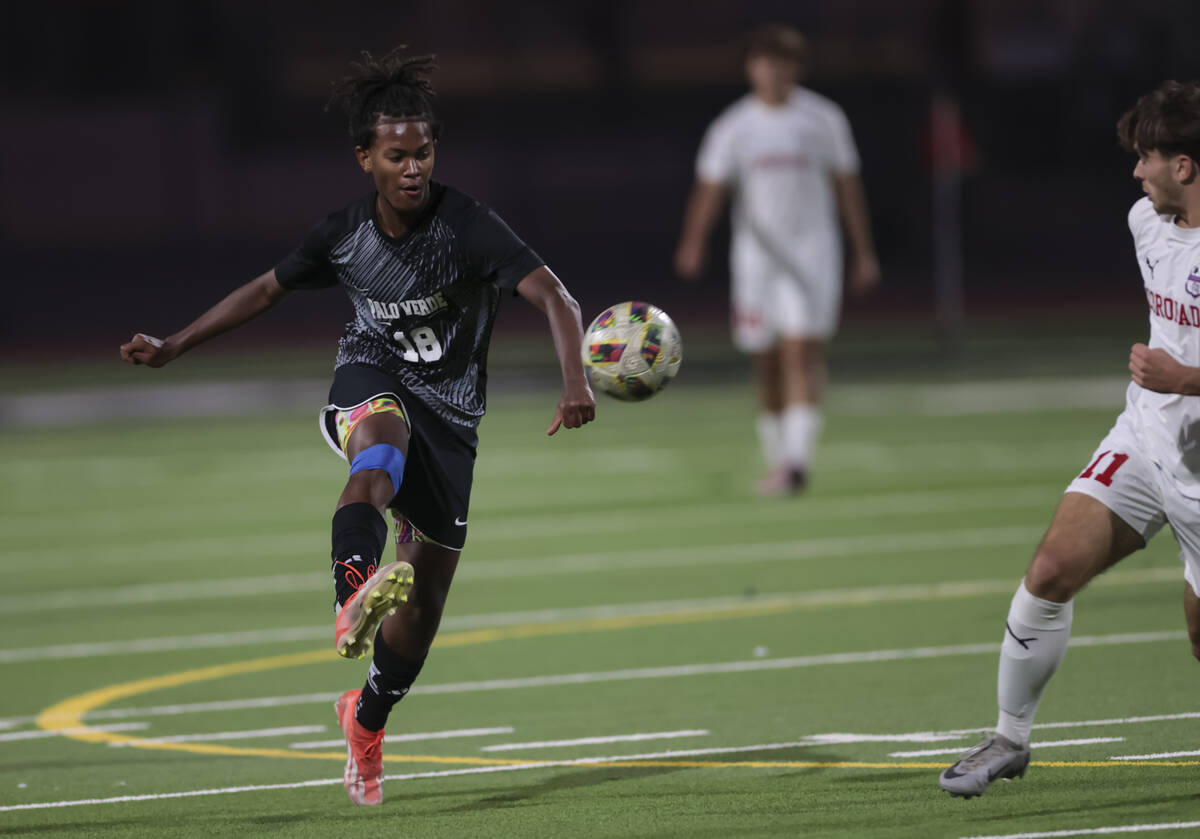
[631,351]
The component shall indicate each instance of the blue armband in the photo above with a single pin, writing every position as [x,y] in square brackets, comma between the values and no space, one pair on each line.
[381,456]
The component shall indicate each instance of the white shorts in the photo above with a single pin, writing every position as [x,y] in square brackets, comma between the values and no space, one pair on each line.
[1122,477]
[771,302]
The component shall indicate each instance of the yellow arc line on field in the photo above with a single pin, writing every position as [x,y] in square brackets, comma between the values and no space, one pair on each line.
[69,713]
[66,717]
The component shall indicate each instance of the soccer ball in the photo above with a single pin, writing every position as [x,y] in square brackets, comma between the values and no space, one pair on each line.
[631,351]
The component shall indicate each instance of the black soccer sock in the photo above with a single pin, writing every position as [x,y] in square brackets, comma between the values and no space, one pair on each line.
[359,534]
[388,680]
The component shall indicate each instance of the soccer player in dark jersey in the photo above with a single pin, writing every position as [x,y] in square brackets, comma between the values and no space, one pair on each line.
[425,267]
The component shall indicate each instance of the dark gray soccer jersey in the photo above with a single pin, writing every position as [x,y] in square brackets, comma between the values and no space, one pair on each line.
[424,303]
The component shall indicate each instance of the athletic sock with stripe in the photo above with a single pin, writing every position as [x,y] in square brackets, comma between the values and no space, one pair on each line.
[388,680]
[1035,642]
[359,534]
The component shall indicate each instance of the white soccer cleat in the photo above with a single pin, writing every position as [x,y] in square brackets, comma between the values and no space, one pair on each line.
[994,759]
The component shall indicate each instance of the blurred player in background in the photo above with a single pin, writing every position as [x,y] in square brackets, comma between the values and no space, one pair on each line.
[425,267]
[1146,472]
[787,156]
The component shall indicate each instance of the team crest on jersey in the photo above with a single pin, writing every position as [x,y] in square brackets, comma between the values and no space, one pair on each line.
[1193,281]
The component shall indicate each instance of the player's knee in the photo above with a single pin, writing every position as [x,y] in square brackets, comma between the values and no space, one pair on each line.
[1055,574]
[383,457]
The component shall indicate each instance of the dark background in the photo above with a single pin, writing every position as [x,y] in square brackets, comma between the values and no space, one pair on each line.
[154,155]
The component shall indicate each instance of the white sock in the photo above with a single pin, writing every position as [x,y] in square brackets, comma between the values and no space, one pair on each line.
[770,435]
[801,425]
[1035,641]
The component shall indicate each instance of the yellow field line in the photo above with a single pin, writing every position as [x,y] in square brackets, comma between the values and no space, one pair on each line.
[69,713]
[66,716]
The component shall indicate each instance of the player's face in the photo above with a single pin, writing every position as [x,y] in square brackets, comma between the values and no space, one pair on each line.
[401,162]
[1158,181]
[771,76]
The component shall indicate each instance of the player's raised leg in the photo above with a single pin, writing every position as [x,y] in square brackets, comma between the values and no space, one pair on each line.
[366,589]
[1085,538]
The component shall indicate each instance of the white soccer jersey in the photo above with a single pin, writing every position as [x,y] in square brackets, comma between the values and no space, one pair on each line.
[1168,423]
[778,162]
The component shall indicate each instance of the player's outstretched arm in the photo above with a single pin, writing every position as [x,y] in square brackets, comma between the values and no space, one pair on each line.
[852,207]
[1155,369]
[240,305]
[544,290]
[703,207]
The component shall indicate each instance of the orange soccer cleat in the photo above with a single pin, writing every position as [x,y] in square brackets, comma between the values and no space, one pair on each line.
[364,759]
[360,616]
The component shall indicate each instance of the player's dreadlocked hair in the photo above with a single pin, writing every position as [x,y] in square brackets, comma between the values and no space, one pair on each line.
[392,88]
[1166,120]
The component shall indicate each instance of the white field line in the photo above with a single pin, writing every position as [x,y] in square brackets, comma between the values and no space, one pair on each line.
[751,665]
[100,522]
[39,734]
[761,665]
[914,737]
[826,597]
[197,707]
[593,741]
[282,583]
[161,644]
[1045,744]
[1190,715]
[828,547]
[106,598]
[960,733]
[816,509]
[831,547]
[285,731]
[1159,756]
[412,738]
[475,770]
[1092,831]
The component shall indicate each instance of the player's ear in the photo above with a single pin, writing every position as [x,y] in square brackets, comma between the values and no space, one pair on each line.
[364,158]
[1187,169]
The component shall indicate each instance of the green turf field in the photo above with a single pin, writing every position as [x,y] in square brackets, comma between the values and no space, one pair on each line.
[636,645]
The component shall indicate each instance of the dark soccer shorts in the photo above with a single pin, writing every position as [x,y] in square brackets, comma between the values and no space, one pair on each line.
[436,488]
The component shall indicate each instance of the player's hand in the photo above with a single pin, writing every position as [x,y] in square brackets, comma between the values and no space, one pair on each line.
[1155,369]
[148,350]
[576,408]
[864,275]
[689,260]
